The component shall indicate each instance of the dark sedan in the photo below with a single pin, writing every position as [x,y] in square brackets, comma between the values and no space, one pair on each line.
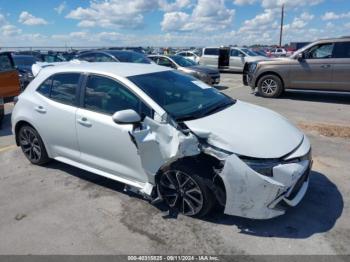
[208,75]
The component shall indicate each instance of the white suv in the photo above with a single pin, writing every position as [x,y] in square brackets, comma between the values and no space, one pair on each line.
[167,135]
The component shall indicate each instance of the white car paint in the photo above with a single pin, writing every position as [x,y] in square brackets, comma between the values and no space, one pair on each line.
[189,55]
[103,147]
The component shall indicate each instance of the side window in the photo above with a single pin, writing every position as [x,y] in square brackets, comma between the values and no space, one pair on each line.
[64,88]
[211,51]
[108,96]
[5,63]
[103,58]
[164,62]
[87,57]
[45,87]
[342,50]
[320,51]
[234,52]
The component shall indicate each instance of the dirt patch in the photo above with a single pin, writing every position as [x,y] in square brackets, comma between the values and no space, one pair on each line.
[327,130]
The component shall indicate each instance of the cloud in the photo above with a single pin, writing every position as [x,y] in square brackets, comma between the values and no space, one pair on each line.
[117,14]
[59,9]
[174,6]
[333,16]
[207,15]
[28,19]
[244,2]
[263,21]
[10,30]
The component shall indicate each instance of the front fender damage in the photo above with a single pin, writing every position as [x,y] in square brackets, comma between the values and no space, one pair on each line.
[248,194]
[161,143]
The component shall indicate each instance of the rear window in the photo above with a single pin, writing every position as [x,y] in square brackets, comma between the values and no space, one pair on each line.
[5,63]
[211,51]
[342,50]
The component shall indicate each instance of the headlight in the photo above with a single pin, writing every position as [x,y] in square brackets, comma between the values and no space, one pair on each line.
[252,67]
[263,167]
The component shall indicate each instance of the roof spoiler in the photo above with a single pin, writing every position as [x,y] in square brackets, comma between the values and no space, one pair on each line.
[38,66]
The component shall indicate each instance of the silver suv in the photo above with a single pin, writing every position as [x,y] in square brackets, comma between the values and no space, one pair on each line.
[228,58]
[322,65]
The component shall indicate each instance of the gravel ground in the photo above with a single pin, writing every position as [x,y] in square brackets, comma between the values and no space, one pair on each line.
[58,209]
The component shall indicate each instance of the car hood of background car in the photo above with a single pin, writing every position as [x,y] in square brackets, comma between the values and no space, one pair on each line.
[203,69]
[248,130]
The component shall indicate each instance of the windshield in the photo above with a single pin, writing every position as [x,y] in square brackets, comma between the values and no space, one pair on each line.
[130,57]
[24,60]
[249,52]
[181,61]
[182,97]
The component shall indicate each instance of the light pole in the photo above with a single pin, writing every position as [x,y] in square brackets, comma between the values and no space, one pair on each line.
[281,31]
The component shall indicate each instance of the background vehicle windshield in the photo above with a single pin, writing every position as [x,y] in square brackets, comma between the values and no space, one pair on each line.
[249,52]
[130,57]
[181,61]
[24,60]
[181,96]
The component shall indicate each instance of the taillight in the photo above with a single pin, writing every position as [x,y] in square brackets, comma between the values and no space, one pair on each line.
[15,99]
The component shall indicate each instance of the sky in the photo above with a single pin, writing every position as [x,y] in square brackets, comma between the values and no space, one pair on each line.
[168,22]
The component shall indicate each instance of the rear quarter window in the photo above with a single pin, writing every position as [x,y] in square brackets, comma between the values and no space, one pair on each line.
[342,50]
[211,51]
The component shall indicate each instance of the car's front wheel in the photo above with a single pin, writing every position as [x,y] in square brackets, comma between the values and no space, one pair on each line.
[32,145]
[270,86]
[184,190]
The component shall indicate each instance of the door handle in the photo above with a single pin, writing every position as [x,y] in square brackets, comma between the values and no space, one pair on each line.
[325,66]
[40,109]
[84,122]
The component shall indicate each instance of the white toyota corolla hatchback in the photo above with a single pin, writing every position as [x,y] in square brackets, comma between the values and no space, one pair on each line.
[166,135]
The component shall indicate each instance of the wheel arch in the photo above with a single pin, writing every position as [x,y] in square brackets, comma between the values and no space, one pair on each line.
[208,167]
[269,73]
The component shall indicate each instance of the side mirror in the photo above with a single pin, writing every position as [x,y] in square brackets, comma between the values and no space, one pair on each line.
[301,56]
[241,55]
[126,117]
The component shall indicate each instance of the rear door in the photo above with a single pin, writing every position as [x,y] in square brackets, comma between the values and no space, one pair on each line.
[9,79]
[315,71]
[341,66]
[53,112]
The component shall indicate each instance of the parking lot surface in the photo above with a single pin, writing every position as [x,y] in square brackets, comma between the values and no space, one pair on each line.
[58,209]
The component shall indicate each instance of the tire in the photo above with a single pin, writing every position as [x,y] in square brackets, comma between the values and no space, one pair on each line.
[270,86]
[32,145]
[184,190]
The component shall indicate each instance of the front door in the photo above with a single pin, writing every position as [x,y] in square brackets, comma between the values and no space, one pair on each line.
[315,70]
[105,145]
[9,79]
[237,60]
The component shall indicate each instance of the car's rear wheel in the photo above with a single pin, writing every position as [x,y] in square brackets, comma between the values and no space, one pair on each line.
[32,145]
[270,86]
[185,191]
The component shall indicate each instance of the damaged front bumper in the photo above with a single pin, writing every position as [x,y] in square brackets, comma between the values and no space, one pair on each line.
[252,195]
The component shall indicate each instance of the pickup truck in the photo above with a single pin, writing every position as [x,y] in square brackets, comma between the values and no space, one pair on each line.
[9,81]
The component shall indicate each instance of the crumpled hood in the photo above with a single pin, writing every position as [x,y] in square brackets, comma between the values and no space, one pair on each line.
[248,130]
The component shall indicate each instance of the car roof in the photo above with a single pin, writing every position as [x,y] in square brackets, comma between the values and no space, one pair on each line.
[107,68]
